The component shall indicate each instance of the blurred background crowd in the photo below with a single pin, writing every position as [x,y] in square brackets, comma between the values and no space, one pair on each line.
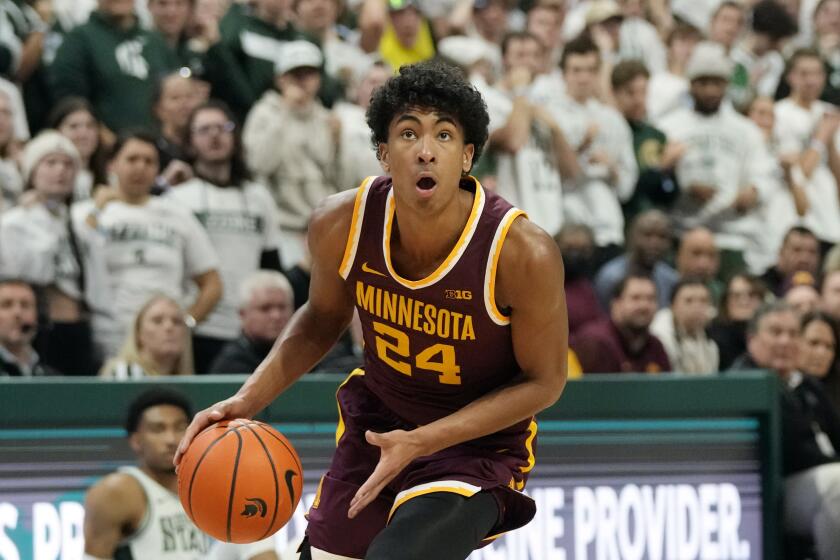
[159,160]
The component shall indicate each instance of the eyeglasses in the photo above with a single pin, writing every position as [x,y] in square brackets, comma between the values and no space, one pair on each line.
[207,129]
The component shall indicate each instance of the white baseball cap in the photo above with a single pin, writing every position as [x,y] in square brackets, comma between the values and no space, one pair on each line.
[298,54]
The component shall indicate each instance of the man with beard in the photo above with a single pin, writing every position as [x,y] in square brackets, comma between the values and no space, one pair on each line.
[724,174]
[623,343]
[648,245]
[577,245]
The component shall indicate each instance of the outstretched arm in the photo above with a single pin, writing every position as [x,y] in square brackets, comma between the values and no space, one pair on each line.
[312,331]
[530,283]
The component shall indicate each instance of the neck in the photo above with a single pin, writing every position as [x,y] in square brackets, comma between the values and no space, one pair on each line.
[168,480]
[802,101]
[277,19]
[22,352]
[123,22]
[172,40]
[133,199]
[676,67]
[425,240]
[217,173]
[634,339]
[165,364]
[173,133]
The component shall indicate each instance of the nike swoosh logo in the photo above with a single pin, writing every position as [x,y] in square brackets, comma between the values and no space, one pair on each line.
[290,474]
[366,268]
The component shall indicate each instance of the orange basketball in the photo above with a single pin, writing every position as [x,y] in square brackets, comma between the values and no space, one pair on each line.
[240,480]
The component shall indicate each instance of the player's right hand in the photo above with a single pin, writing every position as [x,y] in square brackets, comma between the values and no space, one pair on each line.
[234,407]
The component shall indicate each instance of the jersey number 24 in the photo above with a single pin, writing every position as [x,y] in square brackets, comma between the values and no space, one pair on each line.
[437,357]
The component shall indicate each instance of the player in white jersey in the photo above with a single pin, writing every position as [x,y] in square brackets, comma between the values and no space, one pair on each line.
[135,512]
[138,245]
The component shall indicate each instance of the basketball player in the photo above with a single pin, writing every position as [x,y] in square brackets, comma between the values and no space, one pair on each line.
[135,512]
[464,317]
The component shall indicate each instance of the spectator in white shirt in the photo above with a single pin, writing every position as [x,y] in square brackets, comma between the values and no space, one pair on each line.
[138,245]
[604,145]
[39,245]
[74,118]
[530,148]
[724,175]
[806,131]
[238,214]
[668,90]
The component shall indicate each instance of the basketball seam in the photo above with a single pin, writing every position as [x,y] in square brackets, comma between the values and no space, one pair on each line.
[292,452]
[233,481]
[276,483]
[198,464]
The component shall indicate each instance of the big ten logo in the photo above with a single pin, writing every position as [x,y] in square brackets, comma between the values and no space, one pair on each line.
[57,531]
[465,295]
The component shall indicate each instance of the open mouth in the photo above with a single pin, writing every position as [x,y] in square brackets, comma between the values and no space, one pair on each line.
[426,184]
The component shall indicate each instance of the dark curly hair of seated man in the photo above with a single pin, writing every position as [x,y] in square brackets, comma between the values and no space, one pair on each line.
[430,85]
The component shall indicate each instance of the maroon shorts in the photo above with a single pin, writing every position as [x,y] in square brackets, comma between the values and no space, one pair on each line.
[464,469]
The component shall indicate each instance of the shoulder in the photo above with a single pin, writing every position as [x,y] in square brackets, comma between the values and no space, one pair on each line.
[529,259]
[120,491]
[675,119]
[331,220]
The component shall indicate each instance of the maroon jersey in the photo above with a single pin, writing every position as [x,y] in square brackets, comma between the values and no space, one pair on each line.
[435,344]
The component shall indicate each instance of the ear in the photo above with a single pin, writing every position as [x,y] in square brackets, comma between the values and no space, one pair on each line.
[134,442]
[469,152]
[384,156]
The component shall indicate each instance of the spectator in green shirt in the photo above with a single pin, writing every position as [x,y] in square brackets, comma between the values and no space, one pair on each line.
[656,186]
[114,63]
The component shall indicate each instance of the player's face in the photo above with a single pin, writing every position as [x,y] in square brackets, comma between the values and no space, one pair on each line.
[632,99]
[18,315]
[816,348]
[80,127]
[136,166]
[162,332]
[775,343]
[267,314]
[425,154]
[54,176]
[211,136]
[157,437]
[170,16]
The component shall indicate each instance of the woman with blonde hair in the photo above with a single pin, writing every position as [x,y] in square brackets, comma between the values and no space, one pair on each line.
[159,343]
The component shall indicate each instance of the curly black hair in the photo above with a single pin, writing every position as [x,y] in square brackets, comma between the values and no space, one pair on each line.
[430,85]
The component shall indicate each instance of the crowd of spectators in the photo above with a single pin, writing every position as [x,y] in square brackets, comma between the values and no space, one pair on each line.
[160,159]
